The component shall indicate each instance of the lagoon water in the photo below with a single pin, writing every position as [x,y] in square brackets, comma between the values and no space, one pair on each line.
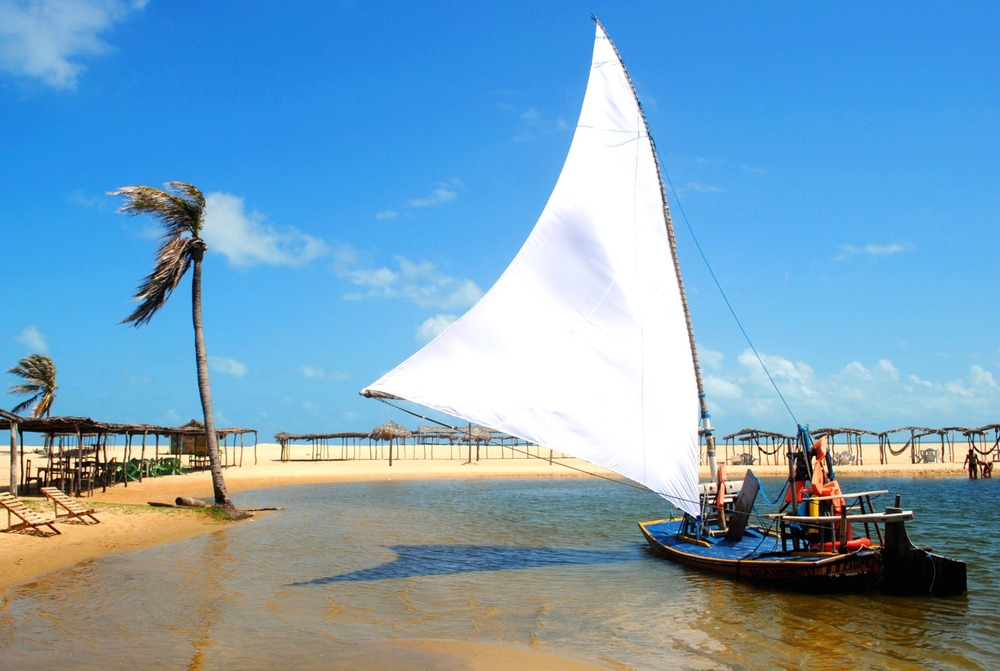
[557,564]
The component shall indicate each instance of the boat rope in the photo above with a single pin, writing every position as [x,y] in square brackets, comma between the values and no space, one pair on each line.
[767,534]
[704,258]
[760,490]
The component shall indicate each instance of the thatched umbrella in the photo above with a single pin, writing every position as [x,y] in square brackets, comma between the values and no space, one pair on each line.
[390,431]
[479,435]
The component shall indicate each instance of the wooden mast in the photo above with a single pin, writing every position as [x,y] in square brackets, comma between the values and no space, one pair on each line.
[706,421]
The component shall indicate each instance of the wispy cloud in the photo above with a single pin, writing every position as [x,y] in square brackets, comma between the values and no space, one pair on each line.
[319,373]
[698,187]
[227,366]
[433,327]
[532,123]
[422,282]
[247,240]
[873,250]
[33,339]
[41,38]
[442,194]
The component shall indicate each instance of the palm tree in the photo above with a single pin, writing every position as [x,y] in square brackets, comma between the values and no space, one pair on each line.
[181,211]
[39,375]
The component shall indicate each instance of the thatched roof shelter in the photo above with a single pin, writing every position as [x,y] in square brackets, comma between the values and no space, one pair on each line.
[85,427]
[478,434]
[284,437]
[390,431]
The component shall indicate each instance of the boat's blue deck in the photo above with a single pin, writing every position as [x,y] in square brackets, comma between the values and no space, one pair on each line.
[753,545]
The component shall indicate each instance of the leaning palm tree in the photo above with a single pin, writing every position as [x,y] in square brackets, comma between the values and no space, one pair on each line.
[39,380]
[181,210]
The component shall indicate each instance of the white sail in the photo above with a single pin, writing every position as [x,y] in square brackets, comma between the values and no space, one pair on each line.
[582,344]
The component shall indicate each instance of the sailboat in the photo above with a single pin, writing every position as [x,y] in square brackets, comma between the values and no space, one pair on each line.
[585,345]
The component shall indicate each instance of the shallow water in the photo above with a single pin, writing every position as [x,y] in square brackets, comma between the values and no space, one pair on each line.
[556,564]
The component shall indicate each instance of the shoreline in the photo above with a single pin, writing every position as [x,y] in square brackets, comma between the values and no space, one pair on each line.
[129,524]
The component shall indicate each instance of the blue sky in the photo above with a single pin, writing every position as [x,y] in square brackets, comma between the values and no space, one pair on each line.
[372,168]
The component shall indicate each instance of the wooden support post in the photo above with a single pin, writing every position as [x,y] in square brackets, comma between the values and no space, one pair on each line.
[842,545]
[14,476]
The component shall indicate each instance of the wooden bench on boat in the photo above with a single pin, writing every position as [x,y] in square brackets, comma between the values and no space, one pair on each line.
[29,518]
[72,508]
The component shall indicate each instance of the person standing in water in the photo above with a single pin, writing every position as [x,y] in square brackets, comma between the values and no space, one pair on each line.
[973,463]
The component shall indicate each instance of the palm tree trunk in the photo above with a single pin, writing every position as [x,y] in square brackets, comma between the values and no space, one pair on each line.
[204,386]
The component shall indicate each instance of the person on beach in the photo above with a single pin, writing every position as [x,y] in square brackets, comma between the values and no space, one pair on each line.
[973,463]
[987,469]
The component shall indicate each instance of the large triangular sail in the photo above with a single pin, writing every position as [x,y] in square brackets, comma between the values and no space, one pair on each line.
[582,344]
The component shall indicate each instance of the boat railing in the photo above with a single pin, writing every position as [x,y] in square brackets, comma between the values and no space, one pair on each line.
[838,525]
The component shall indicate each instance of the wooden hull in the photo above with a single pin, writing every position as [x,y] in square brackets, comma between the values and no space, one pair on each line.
[758,557]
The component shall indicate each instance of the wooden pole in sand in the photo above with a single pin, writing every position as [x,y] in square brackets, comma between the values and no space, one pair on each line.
[14,474]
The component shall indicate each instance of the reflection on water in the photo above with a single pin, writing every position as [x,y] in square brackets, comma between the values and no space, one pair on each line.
[556,564]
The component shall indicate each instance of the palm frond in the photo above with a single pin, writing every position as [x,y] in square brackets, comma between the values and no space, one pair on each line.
[24,405]
[39,374]
[172,261]
[193,199]
[179,212]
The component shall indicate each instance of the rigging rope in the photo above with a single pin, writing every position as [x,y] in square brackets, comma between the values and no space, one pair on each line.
[724,297]
[525,452]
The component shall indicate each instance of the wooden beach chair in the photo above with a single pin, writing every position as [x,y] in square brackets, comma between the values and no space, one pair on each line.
[73,509]
[29,518]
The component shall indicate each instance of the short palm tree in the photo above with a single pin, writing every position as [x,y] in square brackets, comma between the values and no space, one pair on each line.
[181,211]
[39,375]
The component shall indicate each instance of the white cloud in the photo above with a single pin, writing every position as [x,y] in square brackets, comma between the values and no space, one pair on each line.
[794,379]
[386,214]
[885,367]
[875,397]
[39,38]
[309,371]
[873,250]
[443,193]
[958,387]
[33,339]
[857,368]
[227,366]
[420,282]
[247,240]
[532,123]
[434,326]
[710,357]
[698,187]
[716,386]
[981,377]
